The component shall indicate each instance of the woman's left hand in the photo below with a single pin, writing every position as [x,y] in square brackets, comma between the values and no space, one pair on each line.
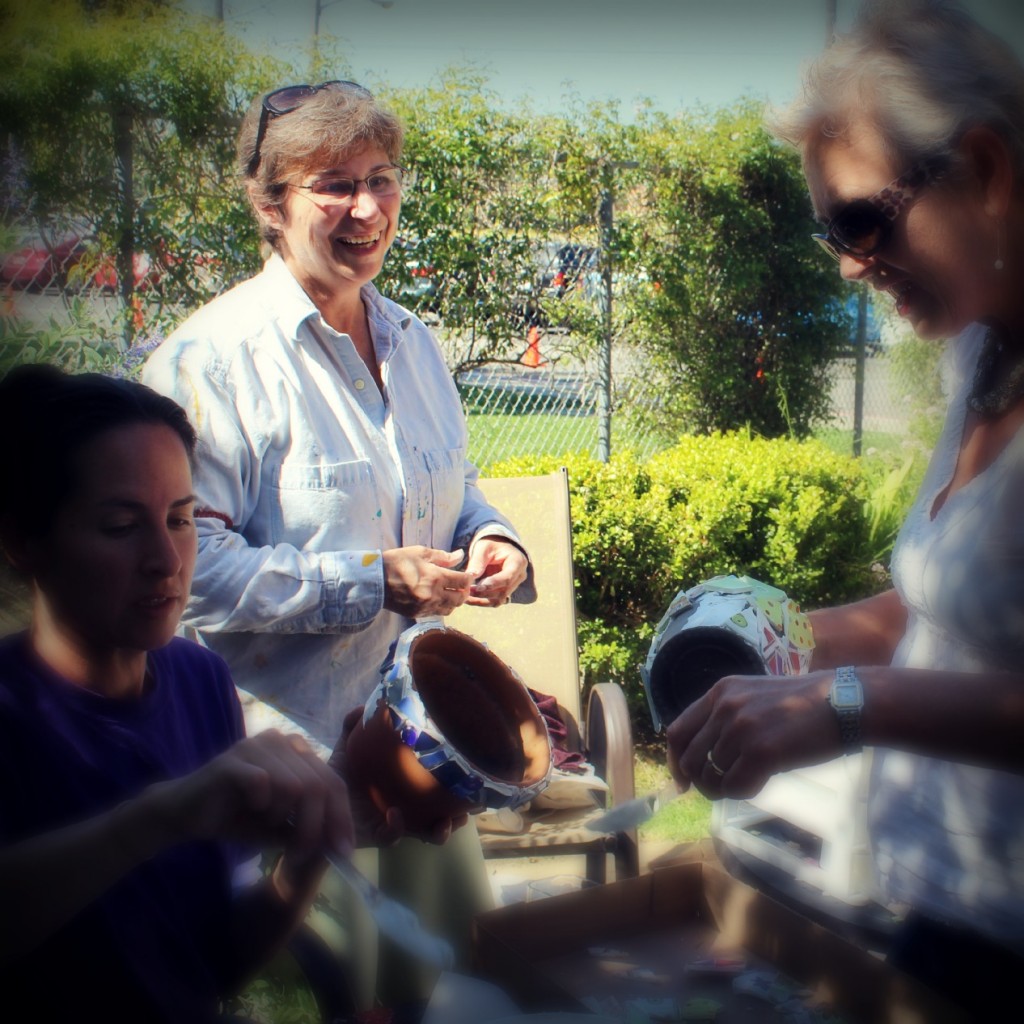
[375,827]
[497,567]
[747,728]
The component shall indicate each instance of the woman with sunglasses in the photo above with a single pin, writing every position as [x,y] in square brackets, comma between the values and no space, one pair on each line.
[335,502]
[911,130]
[130,802]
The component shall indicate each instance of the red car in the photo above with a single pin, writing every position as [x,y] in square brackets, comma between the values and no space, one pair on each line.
[145,273]
[40,264]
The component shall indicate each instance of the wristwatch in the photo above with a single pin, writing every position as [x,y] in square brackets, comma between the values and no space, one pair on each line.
[847,698]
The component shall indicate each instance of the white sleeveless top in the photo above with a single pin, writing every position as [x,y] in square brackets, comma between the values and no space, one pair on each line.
[948,838]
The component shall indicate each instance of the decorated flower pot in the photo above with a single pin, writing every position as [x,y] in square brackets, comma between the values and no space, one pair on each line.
[449,730]
[730,625]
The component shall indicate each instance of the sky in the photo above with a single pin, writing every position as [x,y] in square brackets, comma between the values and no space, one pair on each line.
[676,53]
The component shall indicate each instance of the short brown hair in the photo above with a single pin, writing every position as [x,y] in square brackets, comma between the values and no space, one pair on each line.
[331,124]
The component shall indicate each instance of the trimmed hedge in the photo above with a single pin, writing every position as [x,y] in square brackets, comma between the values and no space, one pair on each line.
[790,513]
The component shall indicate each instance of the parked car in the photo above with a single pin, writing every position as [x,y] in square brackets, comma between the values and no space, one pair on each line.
[560,269]
[40,264]
[573,267]
[69,262]
[145,271]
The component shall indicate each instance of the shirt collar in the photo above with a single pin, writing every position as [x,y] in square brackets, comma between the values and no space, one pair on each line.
[292,306]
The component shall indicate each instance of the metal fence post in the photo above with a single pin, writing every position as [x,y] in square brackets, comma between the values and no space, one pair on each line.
[604,362]
[860,355]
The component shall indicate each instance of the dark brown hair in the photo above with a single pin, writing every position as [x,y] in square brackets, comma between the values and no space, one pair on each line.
[46,417]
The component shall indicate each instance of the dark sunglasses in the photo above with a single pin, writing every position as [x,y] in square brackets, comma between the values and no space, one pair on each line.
[863,227]
[284,101]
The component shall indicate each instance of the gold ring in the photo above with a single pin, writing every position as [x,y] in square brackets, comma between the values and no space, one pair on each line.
[714,767]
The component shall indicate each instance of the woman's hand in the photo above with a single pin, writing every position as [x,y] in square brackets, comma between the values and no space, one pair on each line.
[747,728]
[422,581]
[373,826]
[269,788]
[498,567]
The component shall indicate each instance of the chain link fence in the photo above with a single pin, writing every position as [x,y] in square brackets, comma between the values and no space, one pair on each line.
[59,303]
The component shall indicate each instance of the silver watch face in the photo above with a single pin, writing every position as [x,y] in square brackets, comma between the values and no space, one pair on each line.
[846,695]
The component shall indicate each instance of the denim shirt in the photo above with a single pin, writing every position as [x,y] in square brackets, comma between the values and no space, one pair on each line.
[306,472]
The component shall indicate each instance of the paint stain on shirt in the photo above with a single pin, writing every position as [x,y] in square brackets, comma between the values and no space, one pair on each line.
[369,558]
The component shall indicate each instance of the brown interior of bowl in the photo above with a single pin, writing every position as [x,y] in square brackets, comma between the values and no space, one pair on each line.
[481,708]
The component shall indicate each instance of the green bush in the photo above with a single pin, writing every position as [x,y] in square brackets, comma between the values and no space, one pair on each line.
[790,513]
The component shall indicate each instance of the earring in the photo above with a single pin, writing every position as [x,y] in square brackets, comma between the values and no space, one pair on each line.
[1000,236]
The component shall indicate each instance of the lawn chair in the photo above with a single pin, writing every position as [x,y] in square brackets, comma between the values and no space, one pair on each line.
[539,642]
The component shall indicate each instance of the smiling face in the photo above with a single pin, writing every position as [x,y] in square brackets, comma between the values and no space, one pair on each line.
[335,248]
[113,573]
[937,263]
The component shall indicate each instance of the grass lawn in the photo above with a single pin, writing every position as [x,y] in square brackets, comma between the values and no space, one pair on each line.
[497,436]
[494,437]
[687,818]
[873,442]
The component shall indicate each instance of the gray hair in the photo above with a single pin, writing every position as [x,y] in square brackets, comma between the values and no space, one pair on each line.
[923,72]
[330,125]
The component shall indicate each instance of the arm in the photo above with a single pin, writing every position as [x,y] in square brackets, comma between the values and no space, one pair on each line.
[270,788]
[863,633]
[239,586]
[243,586]
[757,726]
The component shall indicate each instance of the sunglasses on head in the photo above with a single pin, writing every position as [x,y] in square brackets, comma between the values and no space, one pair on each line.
[284,101]
[861,228]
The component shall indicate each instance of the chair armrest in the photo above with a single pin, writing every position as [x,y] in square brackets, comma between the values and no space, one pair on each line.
[608,740]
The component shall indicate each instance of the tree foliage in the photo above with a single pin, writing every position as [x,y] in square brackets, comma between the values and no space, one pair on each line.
[123,115]
[122,118]
[746,315]
[473,216]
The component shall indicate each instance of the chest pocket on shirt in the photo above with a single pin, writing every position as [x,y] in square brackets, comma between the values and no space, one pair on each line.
[325,507]
[446,469]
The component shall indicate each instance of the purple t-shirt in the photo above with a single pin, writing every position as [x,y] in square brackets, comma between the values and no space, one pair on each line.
[152,947]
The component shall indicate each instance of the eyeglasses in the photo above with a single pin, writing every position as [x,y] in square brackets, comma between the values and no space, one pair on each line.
[284,101]
[382,184]
[863,227]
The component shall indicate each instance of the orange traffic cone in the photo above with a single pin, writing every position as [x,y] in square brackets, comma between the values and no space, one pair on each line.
[531,357]
[138,317]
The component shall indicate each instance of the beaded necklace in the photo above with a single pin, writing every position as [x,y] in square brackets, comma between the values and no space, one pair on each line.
[991,396]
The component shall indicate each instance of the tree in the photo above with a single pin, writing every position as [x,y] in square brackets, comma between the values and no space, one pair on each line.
[123,116]
[745,316]
[475,214]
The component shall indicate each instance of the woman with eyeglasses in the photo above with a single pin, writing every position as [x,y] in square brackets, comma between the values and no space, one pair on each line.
[911,130]
[131,805]
[335,504]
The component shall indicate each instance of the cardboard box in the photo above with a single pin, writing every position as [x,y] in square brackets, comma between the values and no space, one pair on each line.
[543,953]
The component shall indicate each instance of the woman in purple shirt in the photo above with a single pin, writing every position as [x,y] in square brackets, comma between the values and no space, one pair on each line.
[130,801]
